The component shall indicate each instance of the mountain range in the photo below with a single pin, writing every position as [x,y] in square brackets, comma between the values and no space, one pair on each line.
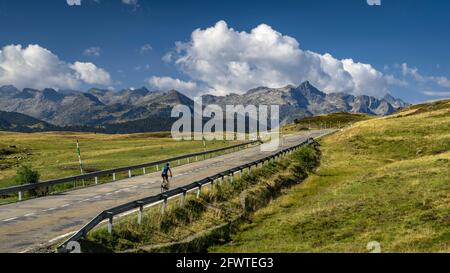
[141,110]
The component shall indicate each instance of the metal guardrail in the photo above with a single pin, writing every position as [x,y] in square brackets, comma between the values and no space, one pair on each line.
[49,183]
[164,197]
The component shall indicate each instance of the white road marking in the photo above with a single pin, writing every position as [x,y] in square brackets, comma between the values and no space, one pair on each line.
[29,214]
[61,236]
[64,206]
[10,219]
[50,209]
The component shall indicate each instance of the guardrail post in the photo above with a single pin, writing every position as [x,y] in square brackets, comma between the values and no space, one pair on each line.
[110,222]
[96,180]
[188,160]
[196,158]
[129,173]
[241,173]
[143,170]
[157,167]
[183,197]
[20,196]
[199,191]
[211,185]
[164,205]
[231,177]
[114,176]
[141,210]
[221,180]
[179,162]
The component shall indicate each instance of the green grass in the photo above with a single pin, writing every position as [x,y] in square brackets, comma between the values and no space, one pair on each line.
[385,179]
[54,154]
[221,206]
[334,120]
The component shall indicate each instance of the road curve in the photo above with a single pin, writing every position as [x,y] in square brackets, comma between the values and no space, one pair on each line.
[32,223]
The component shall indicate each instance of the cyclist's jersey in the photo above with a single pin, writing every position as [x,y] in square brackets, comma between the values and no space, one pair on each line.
[165,171]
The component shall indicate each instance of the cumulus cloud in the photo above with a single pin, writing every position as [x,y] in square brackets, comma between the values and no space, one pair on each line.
[168,83]
[36,67]
[92,51]
[227,61]
[74,2]
[89,73]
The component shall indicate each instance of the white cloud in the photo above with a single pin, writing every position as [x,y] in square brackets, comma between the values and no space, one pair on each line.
[442,81]
[374,2]
[391,80]
[134,3]
[92,51]
[437,93]
[168,83]
[89,73]
[74,2]
[145,48]
[230,61]
[417,76]
[167,58]
[36,67]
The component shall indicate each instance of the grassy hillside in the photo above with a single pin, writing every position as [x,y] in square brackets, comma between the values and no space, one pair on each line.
[385,179]
[335,120]
[54,154]
[10,121]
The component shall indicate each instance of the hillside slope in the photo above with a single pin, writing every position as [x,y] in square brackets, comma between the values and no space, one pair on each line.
[384,180]
[10,121]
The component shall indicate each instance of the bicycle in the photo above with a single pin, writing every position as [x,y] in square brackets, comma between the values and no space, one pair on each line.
[165,186]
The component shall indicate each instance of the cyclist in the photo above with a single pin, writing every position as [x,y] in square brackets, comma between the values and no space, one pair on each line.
[166,171]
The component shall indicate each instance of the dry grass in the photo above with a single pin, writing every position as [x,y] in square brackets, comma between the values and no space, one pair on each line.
[384,180]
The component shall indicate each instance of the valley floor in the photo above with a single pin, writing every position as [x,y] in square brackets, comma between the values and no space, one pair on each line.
[54,154]
[385,180]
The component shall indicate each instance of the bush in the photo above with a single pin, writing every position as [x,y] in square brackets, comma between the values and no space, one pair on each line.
[26,175]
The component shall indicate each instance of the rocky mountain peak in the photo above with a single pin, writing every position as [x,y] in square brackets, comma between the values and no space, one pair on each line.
[99,107]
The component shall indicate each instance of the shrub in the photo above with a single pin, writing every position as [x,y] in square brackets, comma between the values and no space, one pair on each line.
[26,175]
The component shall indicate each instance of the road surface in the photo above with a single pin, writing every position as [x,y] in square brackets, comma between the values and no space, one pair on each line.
[29,224]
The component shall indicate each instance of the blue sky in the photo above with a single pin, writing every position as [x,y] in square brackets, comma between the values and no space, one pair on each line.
[119,44]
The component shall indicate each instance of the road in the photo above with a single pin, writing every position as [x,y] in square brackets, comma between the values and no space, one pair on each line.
[32,223]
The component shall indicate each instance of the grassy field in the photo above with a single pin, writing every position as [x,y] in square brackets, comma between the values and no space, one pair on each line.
[385,180]
[54,154]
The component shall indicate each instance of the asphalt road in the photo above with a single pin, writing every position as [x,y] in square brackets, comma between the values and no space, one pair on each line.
[32,223]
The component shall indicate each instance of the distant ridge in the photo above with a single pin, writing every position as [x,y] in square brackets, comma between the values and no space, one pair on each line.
[142,110]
